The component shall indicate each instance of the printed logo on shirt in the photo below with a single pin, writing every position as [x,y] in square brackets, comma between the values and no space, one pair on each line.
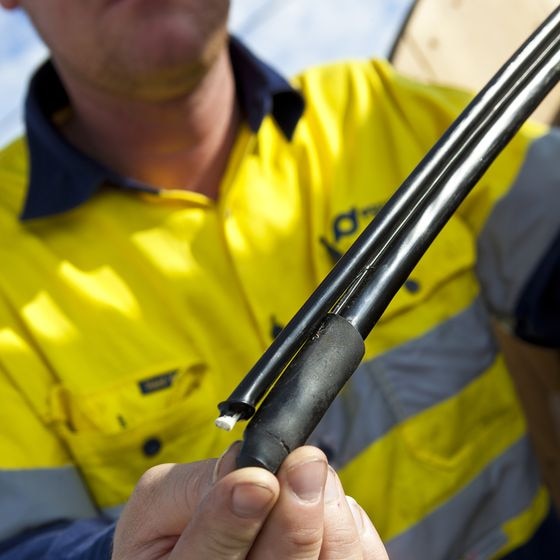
[352,221]
[347,225]
[275,327]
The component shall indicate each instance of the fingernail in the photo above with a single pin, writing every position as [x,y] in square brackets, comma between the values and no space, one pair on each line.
[306,480]
[356,513]
[226,463]
[250,500]
[332,487]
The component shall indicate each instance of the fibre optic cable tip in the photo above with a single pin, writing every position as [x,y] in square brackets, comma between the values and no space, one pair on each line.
[227,422]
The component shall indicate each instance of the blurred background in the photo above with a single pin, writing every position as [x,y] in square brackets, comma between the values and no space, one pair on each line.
[461,42]
[291,34]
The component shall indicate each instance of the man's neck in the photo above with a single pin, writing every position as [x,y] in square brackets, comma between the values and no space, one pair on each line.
[181,143]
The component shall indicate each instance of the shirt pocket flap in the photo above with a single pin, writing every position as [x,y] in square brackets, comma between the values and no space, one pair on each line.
[135,400]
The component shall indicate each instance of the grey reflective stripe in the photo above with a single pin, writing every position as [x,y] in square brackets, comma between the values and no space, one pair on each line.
[502,491]
[398,384]
[29,498]
[521,227]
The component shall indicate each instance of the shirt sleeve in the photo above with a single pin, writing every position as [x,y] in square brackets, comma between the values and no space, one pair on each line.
[513,212]
[519,248]
[538,311]
[79,540]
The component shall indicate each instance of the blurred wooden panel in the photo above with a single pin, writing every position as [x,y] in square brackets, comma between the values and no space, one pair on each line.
[464,42]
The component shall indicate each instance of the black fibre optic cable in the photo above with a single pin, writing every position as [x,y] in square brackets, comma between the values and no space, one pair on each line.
[507,99]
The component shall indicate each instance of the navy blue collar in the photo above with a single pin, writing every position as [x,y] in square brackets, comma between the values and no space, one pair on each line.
[62,177]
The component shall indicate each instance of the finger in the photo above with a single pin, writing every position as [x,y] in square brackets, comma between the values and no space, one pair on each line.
[162,503]
[341,539]
[294,529]
[372,545]
[166,498]
[230,517]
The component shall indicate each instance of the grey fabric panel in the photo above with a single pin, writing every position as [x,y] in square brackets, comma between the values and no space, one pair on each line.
[521,227]
[407,380]
[469,525]
[33,497]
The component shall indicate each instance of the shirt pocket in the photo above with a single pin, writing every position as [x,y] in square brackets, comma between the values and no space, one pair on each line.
[162,414]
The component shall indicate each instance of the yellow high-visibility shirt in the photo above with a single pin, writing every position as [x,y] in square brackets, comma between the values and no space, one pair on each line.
[124,321]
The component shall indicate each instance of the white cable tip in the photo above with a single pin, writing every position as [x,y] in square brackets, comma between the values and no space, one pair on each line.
[227,422]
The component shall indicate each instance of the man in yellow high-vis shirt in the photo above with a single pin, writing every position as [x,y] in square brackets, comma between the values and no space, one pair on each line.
[172,204]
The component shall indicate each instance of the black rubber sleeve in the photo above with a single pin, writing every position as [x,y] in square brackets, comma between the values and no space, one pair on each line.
[300,398]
